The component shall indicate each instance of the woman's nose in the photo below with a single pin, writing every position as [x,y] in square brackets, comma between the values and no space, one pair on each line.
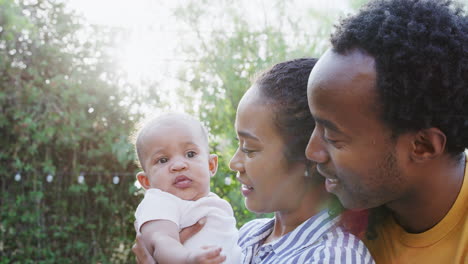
[236,163]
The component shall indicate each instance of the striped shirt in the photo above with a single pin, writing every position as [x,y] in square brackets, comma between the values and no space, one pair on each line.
[317,240]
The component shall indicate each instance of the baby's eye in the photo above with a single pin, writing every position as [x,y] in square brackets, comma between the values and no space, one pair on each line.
[162,160]
[191,154]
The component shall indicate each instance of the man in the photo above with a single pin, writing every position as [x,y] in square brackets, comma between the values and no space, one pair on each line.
[390,101]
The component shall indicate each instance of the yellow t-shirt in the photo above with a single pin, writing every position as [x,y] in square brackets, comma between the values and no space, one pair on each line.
[447,242]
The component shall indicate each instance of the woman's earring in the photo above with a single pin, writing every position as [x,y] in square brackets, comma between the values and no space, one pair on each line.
[306,173]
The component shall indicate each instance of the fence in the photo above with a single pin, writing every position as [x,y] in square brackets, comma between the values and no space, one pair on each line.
[66,218]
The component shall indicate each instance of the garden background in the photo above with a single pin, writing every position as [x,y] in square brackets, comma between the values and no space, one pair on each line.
[69,104]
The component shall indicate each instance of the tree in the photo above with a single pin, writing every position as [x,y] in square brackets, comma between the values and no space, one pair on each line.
[224,60]
[63,114]
[67,111]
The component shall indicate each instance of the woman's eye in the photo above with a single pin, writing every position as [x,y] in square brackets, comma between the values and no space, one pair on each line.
[250,153]
[191,154]
[247,151]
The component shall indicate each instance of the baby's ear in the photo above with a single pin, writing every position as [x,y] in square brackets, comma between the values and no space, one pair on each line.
[213,164]
[143,180]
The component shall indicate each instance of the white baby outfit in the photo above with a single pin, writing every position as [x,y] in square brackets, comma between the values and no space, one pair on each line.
[219,230]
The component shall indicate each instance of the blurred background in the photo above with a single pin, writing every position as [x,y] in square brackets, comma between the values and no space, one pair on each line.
[77,76]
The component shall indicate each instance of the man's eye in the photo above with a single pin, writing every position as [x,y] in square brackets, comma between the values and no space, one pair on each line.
[327,139]
[191,154]
[338,144]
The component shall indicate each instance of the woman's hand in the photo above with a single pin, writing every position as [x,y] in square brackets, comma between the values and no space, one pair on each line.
[142,253]
[190,231]
[206,255]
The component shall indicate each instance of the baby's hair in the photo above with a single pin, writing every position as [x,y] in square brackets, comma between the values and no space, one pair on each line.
[144,125]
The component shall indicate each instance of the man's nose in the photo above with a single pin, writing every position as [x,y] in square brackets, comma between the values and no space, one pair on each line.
[315,150]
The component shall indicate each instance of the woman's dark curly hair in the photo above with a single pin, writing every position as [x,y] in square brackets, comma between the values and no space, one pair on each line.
[284,87]
[420,49]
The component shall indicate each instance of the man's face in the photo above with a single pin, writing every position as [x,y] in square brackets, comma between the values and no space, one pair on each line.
[351,145]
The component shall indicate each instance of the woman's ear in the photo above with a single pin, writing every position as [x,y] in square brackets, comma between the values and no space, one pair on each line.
[143,180]
[213,164]
[428,144]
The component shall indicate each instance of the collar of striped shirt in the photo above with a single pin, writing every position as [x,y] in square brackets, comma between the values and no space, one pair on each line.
[305,235]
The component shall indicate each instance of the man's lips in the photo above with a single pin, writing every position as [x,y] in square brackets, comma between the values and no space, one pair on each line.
[331,183]
[326,175]
[182,181]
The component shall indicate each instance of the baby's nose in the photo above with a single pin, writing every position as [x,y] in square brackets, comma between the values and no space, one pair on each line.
[178,165]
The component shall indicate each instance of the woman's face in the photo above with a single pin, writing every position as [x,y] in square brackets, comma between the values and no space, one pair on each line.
[268,183]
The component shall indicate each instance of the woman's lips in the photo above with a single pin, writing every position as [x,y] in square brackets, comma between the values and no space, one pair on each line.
[246,189]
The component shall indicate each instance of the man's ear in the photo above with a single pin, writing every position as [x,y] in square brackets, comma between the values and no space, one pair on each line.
[428,144]
[143,180]
[213,164]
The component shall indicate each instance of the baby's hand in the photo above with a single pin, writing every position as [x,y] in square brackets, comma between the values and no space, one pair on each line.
[206,255]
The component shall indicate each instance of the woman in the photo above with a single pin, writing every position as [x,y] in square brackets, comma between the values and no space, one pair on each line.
[273,125]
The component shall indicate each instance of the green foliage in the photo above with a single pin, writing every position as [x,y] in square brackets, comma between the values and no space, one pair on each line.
[61,115]
[81,223]
[66,110]
[226,60]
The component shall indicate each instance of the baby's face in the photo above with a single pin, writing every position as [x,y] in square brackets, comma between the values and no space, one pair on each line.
[176,158]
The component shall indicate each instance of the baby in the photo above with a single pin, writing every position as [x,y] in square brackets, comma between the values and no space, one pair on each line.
[173,151]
